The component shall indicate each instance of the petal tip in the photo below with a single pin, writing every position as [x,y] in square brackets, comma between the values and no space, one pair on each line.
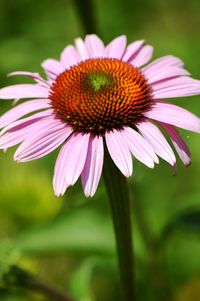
[89,194]
[18,160]
[187,164]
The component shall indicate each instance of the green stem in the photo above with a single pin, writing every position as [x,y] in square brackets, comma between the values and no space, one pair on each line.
[85,10]
[118,195]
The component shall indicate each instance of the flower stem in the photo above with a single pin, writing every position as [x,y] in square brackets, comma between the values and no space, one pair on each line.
[118,195]
[86,13]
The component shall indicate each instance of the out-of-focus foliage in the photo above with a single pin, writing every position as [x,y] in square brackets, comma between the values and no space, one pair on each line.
[8,256]
[70,242]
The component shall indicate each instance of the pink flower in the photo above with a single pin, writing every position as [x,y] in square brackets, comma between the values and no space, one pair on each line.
[100,96]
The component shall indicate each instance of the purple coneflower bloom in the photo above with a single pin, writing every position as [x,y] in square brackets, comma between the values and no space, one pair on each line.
[100,96]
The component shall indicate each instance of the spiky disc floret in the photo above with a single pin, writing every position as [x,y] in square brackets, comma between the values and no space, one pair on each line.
[98,95]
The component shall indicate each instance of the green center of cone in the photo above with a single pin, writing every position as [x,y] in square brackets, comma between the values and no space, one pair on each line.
[99,81]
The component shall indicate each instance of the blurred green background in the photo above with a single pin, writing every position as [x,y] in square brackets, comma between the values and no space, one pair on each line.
[69,242]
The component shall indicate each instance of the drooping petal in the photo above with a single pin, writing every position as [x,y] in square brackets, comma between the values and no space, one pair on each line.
[82,49]
[92,170]
[154,136]
[179,144]
[36,76]
[116,48]
[166,73]
[59,180]
[11,139]
[52,68]
[23,109]
[24,91]
[19,130]
[174,115]
[132,50]
[166,61]
[143,56]
[139,147]
[70,162]
[176,87]
[43,141]
[94,45]
[45,145]
[119,152]
[69,57]
[27,121]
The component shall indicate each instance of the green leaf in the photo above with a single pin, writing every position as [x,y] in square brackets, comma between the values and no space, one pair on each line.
[83,286]
[80,284]
[79,230]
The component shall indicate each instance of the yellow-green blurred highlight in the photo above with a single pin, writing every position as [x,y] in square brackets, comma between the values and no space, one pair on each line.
[70,242]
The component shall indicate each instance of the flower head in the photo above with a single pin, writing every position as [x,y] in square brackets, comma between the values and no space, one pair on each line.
[100,96]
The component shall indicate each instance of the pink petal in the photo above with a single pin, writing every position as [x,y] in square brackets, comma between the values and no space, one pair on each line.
[70,162]
[23,91]
[175,115]
[19,130]
[36,76]
[159,64]
[139,147]
[116,48]
[26,121]
[132,50]
[154,136]
[82,49]
[10,139]
[119,152]
[52,68]
[23,109]
[93,166]
[165,74]
[59,181]
[94,45]
[179,144]
[69,57]
[43,141]
[177,87]
[143,56]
